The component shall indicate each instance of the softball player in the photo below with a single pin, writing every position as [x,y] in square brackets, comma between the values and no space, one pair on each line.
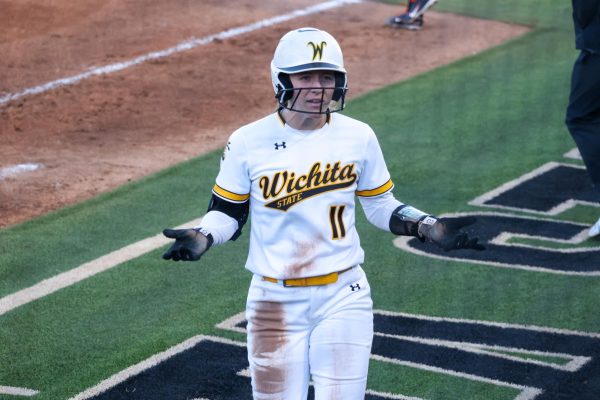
[297,172]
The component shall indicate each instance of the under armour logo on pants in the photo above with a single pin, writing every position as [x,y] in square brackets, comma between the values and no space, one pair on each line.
[355,287]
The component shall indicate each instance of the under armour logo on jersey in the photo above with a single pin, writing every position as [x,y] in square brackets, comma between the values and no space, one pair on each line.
[278,145]
[355,287]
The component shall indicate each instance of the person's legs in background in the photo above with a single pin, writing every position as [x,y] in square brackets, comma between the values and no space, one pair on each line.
[583,117]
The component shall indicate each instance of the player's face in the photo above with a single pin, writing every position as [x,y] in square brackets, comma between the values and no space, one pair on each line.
[316,90]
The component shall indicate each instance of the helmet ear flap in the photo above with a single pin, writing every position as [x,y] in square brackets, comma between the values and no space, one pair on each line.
[340,82]
[284,93]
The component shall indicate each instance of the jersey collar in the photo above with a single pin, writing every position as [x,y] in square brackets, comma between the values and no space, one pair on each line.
[282,120]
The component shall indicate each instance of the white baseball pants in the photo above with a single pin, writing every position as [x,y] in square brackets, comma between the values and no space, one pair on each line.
[319,332]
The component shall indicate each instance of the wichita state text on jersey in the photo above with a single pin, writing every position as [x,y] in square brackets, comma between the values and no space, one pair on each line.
[302,179]
[297,188]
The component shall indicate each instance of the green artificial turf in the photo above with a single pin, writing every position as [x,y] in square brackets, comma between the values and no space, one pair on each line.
[448,136]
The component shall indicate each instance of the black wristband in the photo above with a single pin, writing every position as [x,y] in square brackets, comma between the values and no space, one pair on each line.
[401,225]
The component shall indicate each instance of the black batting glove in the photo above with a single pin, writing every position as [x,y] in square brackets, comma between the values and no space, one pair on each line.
[189,244]
[446,233]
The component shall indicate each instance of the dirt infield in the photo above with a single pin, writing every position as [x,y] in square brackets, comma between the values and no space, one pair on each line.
[106,130]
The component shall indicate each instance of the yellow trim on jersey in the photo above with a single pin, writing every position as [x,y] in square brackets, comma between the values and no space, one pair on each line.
[227,195]
[377,191]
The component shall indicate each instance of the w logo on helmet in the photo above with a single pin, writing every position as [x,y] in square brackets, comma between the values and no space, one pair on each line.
[317,49]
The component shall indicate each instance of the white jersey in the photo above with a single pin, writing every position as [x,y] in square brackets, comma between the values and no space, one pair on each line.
[302,187]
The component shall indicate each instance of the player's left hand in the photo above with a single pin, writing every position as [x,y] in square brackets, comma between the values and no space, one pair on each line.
[189,244]
[447,233]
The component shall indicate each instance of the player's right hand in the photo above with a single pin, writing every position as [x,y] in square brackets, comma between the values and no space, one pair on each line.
[189,244]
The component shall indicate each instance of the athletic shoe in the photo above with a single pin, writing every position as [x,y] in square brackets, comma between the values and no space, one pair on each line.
[595,229]
[417,8]
[404,22]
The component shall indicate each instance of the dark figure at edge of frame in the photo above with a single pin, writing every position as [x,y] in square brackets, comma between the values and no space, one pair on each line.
[583,111]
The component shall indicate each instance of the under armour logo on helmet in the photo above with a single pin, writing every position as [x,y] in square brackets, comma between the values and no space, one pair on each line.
[278,145]
[317,49]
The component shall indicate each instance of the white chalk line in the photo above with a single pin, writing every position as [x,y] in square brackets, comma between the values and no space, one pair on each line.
[17,391]
[181,47]
[84,271]
[18,169]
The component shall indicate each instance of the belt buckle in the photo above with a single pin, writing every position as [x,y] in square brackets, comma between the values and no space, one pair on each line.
[284,282]
[302,282]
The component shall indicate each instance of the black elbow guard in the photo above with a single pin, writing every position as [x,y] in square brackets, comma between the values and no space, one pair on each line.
[405,221]
[237,211]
